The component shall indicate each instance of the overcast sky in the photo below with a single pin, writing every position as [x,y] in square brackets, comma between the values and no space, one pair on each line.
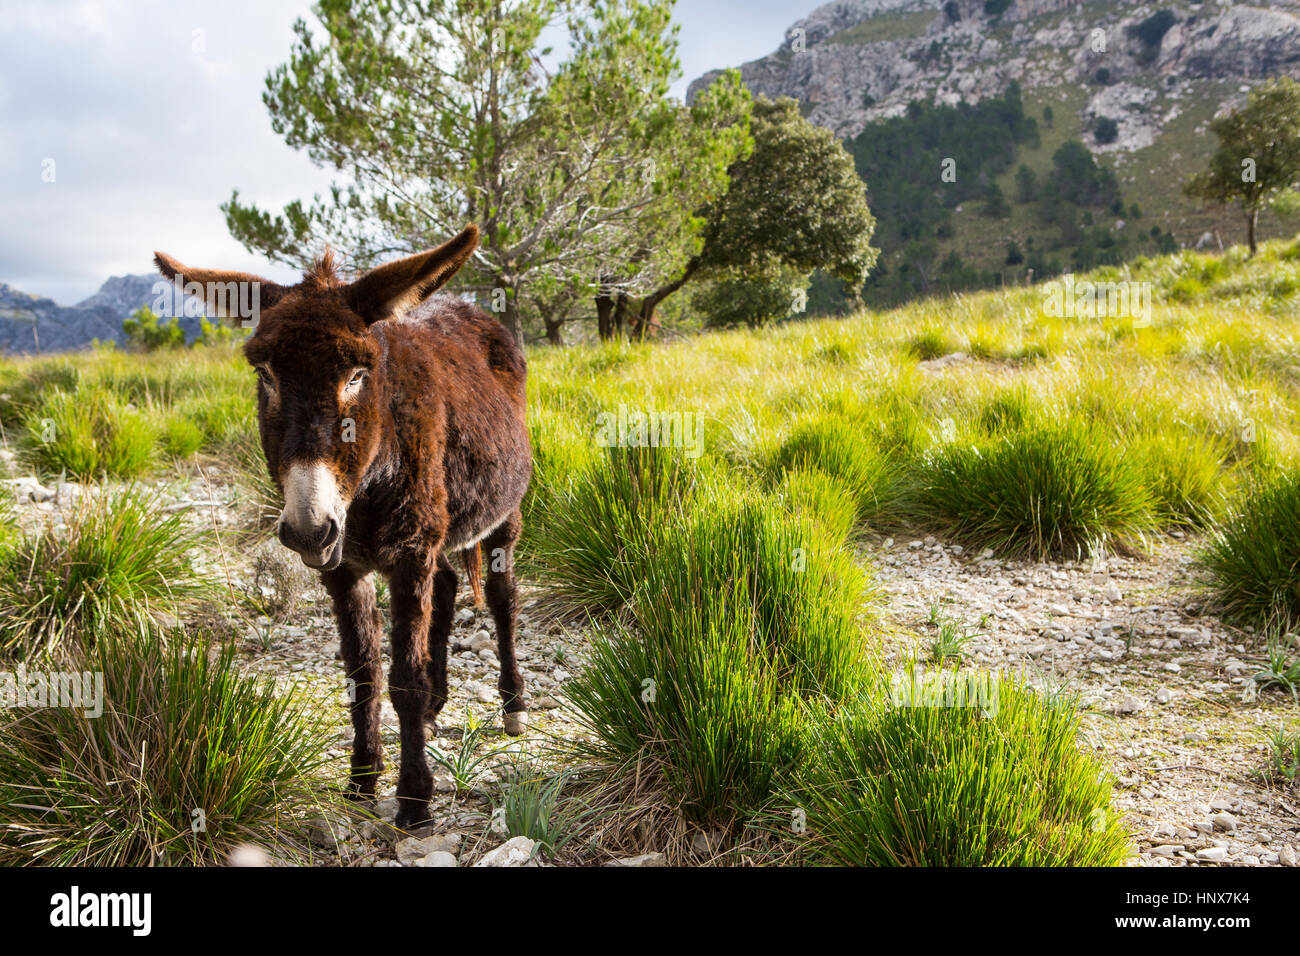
[147,113]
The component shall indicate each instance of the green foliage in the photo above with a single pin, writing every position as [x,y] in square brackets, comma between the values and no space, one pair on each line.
[1050,491]
[148,332]
[741,614]
[735,299]
[1258,157]
[1250,560]
[1000,785]
[603,527]
[118,561]
[87,434]
[1106,130]
[575,171]
[796,203]
[182,732]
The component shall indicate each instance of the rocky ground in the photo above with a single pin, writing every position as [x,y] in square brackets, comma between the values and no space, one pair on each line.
[1169,697]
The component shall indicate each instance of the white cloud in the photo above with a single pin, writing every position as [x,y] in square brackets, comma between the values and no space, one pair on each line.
[151,111]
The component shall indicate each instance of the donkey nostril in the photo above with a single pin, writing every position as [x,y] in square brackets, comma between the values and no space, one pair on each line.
[331,535]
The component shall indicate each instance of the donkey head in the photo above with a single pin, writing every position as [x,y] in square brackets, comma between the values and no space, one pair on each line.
[322,395]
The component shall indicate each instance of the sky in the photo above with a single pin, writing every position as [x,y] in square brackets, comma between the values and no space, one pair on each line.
[124,124]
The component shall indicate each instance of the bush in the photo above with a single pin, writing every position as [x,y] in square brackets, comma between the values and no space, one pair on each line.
[1181,469]
[88,434]
[600,531]
[837,448]
[754,301]
[924,785]
[743,612]
[1250,562]
[146,331]
[1050,491]
[117,562]
[183,737]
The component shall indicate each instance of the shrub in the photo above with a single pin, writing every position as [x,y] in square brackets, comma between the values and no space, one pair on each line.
[146,331]
[601,529]
[743,612]
[117,562]
[924,785]
[836,447]
[180,437]
[1249,563]
[1050,491]
[182,733]
[88,434]
[1181,469]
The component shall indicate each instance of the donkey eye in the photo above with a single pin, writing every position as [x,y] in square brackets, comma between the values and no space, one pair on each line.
[264,376]
[357,378]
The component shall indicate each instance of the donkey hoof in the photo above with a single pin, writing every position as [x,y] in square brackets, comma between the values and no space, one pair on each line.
[516,723]
[411,817]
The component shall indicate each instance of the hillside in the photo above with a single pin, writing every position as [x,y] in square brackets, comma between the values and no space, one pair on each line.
[1158,72]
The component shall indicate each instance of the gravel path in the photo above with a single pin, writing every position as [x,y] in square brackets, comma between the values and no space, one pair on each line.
[1168,696]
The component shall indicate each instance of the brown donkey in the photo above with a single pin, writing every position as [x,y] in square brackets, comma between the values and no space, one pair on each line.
[394,425]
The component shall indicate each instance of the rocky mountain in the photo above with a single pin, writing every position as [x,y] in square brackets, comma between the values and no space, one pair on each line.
[30,323]
[851,62]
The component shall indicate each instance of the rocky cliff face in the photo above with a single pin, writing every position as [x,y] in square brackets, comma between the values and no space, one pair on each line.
[30,323]
[852,62]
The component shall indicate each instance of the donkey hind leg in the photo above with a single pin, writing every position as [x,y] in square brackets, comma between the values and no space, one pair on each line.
[444,610]
[503,602]
[361,628]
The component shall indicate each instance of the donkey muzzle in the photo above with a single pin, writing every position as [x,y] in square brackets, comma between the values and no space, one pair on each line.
[312,521]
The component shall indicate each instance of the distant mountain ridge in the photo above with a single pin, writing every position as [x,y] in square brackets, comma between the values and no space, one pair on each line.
[31,323]
[852,62]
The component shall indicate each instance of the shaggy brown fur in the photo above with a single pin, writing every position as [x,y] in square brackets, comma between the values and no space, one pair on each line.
[414,406]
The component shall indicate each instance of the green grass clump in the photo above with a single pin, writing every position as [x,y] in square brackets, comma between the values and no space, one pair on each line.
[834,446]
[1182,470]
[118,561]
[1250,560]
[741,614]
[88,434]
[188,759]
[598,532]
[1050,491]
[1000,783]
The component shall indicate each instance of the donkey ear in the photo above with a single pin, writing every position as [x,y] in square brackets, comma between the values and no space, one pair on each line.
[226,295]
[392,289]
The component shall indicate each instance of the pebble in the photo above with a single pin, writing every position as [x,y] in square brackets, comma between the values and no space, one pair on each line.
[1225,821]
[645,859]
[1214,854]
[517,851]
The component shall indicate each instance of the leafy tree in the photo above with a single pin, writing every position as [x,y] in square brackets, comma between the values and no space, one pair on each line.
[146,331]
[1106,130]
[995,203]
[735,299]
[1258,157]
[795,203]
[436,112]
[1026,184]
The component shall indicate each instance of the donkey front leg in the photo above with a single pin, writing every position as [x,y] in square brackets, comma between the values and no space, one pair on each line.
[408,685]
[503,601]
[360,634]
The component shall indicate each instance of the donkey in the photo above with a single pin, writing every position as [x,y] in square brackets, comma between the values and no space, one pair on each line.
[392,421]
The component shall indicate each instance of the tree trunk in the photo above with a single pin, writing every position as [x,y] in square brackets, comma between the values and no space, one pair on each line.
[510,318]
[1252,219]
[620,316]
[554,331]
[605,315]
[651,302]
